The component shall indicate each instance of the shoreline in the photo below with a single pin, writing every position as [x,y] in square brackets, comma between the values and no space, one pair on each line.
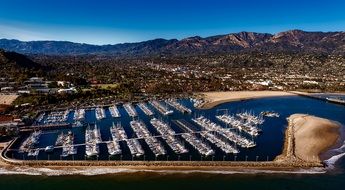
[213,99]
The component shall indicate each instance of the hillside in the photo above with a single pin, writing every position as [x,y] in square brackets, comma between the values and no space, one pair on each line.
[18,65]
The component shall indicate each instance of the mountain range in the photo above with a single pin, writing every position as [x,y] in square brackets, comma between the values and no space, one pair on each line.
[289,41]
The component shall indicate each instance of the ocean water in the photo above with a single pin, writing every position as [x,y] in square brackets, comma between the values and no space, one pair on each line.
[268,144]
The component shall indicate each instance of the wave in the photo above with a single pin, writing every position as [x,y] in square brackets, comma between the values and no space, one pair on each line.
[332,161]
[104,171]
[338,153]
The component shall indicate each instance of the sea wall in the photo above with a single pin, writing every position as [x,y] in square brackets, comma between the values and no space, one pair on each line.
[153,164]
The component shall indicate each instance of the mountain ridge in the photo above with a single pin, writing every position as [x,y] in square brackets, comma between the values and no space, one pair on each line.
[286,41]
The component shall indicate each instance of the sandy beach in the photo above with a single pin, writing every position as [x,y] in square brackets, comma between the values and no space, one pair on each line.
[307,137]
[215,98]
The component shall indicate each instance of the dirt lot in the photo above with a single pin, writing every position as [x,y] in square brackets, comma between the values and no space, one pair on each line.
[7,99]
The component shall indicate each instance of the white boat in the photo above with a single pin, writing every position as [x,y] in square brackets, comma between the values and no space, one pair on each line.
[79,115]
[114,148]
[100,113]
[49,149]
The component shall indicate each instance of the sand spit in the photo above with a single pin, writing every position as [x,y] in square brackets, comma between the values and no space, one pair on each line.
[307,137]
[215,98]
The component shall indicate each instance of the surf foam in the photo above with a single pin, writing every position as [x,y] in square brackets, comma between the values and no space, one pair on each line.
[104,171]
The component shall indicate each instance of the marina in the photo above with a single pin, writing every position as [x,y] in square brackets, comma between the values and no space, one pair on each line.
[203,148]
[132,95]
[220,142]
[114,148]
[29,144]
[239,133]
[135,147]
[118,133]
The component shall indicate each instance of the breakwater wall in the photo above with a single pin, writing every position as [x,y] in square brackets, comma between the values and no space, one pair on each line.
[158,164]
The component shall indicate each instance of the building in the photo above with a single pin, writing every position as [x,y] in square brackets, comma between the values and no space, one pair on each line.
[67,91]
[8,125]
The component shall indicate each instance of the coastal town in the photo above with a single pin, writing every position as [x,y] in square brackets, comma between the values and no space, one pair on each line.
[152,109]
[134,94]
[140,79]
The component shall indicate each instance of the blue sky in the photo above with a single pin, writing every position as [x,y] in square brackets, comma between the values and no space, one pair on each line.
[114,21]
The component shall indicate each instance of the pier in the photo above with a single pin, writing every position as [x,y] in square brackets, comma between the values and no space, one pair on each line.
[183,109]
[248,123]
[79,114]
[198,144]
[145,109]
[142,132]
[169,136]
[100,113]
[130,110]
[45,127]
[161,108]
[208,125]
[114,111]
